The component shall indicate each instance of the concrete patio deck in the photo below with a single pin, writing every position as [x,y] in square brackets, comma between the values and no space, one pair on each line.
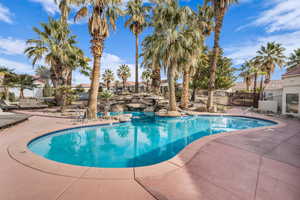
[261,164]
[8,119]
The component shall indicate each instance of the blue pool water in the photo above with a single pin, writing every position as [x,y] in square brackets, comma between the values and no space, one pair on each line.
[145,141]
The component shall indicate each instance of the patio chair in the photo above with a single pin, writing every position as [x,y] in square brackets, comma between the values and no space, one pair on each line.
[6,105]
[32,104]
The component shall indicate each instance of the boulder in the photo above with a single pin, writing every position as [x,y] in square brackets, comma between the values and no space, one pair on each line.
[163,111]
[169,114]
[118,108]
[125,118]
[136,106]
[149,109]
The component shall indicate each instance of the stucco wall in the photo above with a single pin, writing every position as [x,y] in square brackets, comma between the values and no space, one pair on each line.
[291,85]
[270,106]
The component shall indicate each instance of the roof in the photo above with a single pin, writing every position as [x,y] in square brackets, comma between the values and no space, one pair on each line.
[293,72]
[273,85]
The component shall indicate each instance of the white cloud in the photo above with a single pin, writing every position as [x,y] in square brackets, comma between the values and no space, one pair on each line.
[279,15]
[5,14]
[48,5]
[17,66]
[246,50]
[108,61]
[12,46]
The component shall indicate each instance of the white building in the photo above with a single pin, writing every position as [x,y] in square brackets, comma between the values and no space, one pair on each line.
[291,92]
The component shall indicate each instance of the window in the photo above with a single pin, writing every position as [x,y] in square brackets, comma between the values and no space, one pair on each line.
[292,103]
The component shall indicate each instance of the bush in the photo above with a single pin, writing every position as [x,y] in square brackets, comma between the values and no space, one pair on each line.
[79,89]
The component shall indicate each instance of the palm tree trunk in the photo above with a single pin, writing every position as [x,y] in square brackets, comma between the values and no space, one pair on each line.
[21,93]
[214,59]
[261,87]
[185,89]
[69,79]
[194,94]
[254,90]
[136,63]
[248,84]
[156,80]
[97,49]
[124,84]
[6,92]
[171,82]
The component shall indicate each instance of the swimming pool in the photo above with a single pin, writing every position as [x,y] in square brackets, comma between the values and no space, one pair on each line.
[146,140]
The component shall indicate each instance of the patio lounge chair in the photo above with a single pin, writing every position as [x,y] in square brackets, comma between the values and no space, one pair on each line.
[32,104]
[6,105]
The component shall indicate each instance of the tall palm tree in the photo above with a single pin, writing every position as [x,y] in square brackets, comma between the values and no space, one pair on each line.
[108,77]
[247,74]
[25,81]
[270,57]
[104,14]
[169,22]
[219,9]
[200,26]
[56,45]
[146,76]
[64,7]
[294,59]
[124,73]
[138,13]
[151,61]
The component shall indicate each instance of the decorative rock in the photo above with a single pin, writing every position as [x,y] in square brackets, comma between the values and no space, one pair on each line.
[136,106]
[169,114]
[163,111]
[124,119]
[191,113]
[117,108]
[149,109]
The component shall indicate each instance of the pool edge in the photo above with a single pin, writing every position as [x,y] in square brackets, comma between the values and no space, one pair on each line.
[20,152]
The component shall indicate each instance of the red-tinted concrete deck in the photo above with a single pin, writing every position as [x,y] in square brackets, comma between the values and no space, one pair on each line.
[257,164]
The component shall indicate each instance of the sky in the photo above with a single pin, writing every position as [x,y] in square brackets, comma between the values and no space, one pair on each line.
[247,26]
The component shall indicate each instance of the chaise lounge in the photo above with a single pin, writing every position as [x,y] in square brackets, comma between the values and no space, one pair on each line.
[6,105]
[32,104]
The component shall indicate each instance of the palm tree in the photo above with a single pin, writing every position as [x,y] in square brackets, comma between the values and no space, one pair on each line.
[64,7]
[44,74]
[151,61]
[219,9]
[103,16]
[7,81]
[294,59]
[146,76]
[124,74]
[247,74]
[199,28]
[56,45]
[25,81]
[137,22]
[169,21]
[269,57]
[108,77]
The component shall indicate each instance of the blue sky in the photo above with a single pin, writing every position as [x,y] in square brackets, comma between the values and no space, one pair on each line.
[247,26]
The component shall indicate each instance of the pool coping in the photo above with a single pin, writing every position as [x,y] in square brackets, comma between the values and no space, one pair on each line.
[20,152]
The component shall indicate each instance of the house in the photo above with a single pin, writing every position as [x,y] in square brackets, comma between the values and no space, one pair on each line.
[291,92]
